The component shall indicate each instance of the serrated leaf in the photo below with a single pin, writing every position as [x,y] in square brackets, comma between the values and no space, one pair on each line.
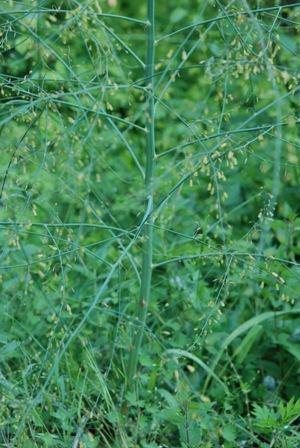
[266,419]
[149,445]
[229,433]
[190,433]
[133,400]
[289,411]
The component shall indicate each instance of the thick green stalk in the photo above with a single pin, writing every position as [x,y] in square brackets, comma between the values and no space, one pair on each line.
[145,289]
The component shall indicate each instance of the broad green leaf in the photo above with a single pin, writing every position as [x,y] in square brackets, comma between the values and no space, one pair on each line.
[245,346]
[177,14]
[171,415]
[171,400]
[186,354]
[229,432]
[9,350]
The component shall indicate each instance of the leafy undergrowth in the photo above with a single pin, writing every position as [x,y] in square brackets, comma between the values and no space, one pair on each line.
[219,360]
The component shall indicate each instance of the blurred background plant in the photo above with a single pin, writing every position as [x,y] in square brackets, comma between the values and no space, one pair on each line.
[219,361]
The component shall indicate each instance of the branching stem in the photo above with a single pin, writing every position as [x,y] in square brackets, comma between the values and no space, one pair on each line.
[144,297]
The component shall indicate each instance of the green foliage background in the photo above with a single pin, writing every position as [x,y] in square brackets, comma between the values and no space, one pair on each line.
[222,333]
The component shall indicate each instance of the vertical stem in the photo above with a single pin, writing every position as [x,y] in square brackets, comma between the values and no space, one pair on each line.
[144,297]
